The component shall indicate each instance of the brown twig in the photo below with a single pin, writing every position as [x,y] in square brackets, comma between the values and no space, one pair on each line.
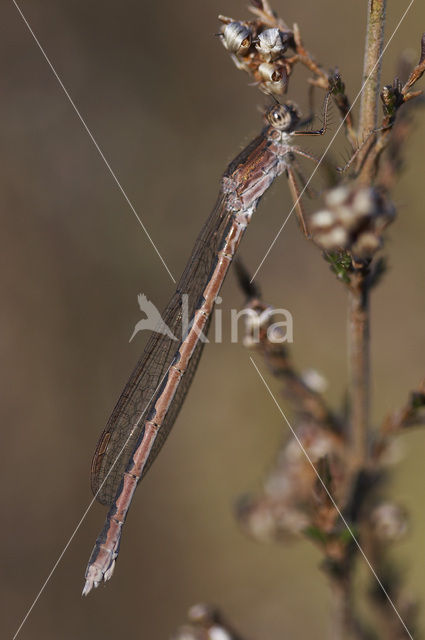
[371,73]
[410,415]
[417,72]
[206,623]
[342,618]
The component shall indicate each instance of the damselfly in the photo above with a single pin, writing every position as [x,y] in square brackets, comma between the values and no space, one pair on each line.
[154,394]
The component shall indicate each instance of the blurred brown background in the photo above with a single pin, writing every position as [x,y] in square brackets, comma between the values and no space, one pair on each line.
[169,111]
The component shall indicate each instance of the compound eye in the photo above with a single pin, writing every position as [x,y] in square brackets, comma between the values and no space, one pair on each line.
[279,118]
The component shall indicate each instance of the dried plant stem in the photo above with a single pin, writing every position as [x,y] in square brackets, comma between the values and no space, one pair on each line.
[371,71]
[372,66]
[359,357]
[359,364]
[342,622]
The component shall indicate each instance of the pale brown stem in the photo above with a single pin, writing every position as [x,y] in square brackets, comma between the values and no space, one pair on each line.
[371,73]
[346,624]
[341,620]
[359,364]
[359,356]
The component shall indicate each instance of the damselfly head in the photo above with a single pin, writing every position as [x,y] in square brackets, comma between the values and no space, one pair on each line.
[283,117]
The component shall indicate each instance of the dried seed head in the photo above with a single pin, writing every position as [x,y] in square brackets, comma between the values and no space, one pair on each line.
[217,632]
[189,633]
[269,72]
[267,519]
[272,77]
[366,245]
[314,380]
[363,201]
[271,44]
[389,522]
[354,219]
[332,240]
[252,321]
[257,519]
[322,219]
[276,334]
[249,342]
[293,521]
[336,197]
[201,613]
[236,38]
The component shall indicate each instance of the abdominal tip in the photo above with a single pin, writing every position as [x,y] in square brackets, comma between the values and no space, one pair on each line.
[88,587]
[108,573]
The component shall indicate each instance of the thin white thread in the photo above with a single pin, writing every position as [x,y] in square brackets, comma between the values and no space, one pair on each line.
[332,499]
[331,142]
[93,139]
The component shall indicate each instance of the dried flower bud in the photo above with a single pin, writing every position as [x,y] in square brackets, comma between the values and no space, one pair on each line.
[366,245]
[389,522]
[364,201]
[216,632]
[275,88]
[266,520]
[270,73]
[314,380]
[252,321]
[206,623]
[332,240]
[322,219]
[249,342]
[271,44]
[354,219]
[337,196]
[189,633]
[236,38]
[201,613]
